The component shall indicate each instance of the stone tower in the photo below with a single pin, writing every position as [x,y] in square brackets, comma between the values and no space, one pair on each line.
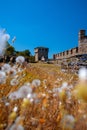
[41,52]
[82,42]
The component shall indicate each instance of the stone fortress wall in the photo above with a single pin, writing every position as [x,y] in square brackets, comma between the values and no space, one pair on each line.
[41,53]
[77,51]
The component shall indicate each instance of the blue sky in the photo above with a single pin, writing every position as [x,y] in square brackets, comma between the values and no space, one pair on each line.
[50,23]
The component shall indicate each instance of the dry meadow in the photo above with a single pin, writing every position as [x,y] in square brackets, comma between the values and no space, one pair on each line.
[42,96]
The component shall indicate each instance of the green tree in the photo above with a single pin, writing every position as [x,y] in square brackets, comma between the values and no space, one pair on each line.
[10,50]
[25,53]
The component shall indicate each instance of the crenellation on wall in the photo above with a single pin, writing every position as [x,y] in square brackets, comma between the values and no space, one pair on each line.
[80,50]
[82,42]
[65,54]
[70,52]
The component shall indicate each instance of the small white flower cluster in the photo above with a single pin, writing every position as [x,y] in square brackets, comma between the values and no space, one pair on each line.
[14,82]
[68,122]
[36,82]
[25,91]
[20,59]
[6,68]
[15,109]
[83,74]
[65,87]
[2,77]
[4,37]
[13,71]
[21,93]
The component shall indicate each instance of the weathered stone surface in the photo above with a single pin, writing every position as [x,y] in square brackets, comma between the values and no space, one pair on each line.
[80,50]
[41,52]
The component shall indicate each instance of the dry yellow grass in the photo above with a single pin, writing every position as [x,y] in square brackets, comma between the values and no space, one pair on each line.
[51,108]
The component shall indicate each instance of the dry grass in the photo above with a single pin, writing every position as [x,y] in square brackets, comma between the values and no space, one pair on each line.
[49,109]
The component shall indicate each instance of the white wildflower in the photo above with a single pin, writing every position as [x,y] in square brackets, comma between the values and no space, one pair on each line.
[4,37]
[12,72]
[36,82]
[64,86]
[6,68]
[32,97]
[14,82]
[83,74]
[7,104]
[13,96]
[24,91]
[68,122]
[20,69]
[15,109]
[2,77]
[29,95]
[31,100]
[20,59]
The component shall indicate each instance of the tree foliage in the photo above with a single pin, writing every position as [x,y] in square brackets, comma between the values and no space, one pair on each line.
[10,51]
[25,53]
